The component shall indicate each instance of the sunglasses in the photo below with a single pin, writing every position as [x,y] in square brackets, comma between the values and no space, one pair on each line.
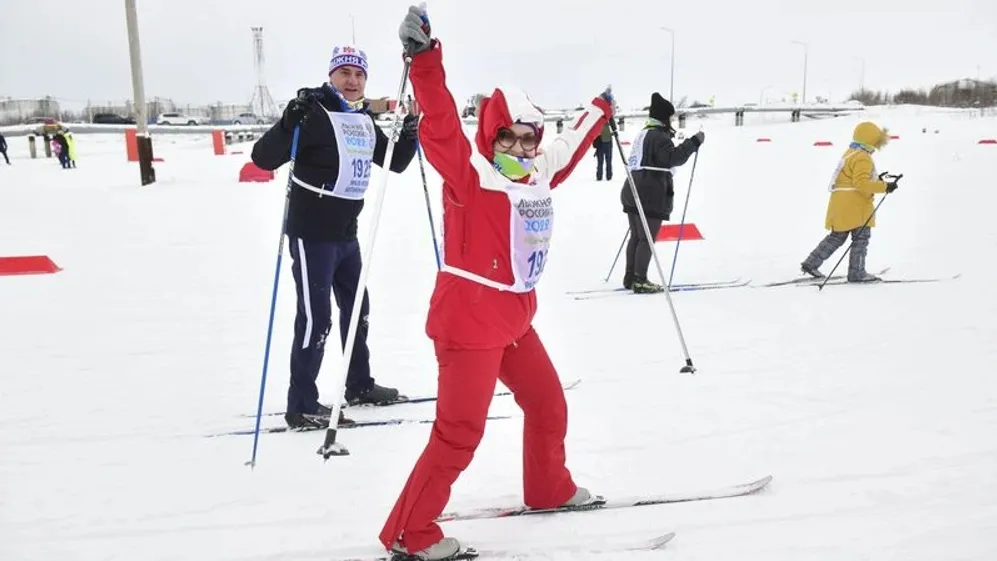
[507,139]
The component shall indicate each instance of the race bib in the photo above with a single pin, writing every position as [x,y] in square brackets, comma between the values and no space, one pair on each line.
[637,151]
[532,224]
[356,138]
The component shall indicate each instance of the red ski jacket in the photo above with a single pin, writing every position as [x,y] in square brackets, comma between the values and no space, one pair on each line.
[484,296]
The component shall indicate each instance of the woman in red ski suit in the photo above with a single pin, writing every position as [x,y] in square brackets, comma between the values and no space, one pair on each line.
[497,224]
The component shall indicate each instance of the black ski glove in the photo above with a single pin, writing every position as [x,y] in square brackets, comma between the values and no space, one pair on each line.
[892,181]
[700,138]
[410,127]
[297,109]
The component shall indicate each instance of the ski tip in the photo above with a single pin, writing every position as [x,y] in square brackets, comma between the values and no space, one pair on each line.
[759,484]
[660,541]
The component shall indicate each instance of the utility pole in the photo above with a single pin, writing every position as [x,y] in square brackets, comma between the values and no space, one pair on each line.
[671,80]
[146,171]
[806,49]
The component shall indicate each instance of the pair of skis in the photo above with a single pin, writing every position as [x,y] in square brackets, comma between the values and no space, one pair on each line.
[599,503]
[406,400]
[591,293]
[588,294]
[368,423]
[467,553]
[843,279]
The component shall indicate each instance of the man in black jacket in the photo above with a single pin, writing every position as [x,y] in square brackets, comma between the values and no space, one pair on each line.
[652,157]
[338,141]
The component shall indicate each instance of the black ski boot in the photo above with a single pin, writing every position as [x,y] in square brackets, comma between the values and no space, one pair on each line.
[644,286]
[811,270]
[375,395]
[314,421]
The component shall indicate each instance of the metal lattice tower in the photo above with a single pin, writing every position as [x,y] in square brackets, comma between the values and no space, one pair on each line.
[261,103]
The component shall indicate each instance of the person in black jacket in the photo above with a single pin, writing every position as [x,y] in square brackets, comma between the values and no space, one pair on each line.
[338,141]
[652,157]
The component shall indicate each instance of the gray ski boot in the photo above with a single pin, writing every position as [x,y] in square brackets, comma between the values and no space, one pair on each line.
[443,550]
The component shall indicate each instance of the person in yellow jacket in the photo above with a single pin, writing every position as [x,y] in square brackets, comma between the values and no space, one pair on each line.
[71,143]
[850,209]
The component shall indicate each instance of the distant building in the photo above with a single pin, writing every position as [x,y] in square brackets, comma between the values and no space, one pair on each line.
[964,93]
[14,111]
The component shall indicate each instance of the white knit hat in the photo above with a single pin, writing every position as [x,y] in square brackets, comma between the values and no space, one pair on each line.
[348,55]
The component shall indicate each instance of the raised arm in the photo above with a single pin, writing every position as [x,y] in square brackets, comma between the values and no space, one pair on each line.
[568,148]
[441,135]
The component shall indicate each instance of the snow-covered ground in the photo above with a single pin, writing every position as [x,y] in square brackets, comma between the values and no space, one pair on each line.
[874,407]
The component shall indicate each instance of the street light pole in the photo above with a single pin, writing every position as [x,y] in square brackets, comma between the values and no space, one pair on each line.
[671,79]
[806,49]
[146,171]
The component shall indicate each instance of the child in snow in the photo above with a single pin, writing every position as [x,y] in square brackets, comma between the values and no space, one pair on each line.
[850,209]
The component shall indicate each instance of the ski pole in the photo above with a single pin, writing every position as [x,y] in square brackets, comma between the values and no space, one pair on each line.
[688,368]
[685,207]
[895,178]
[425,191]
[273,297]
[330,447]
[618,252]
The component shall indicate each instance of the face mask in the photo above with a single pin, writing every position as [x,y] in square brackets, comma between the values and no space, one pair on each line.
[513,167]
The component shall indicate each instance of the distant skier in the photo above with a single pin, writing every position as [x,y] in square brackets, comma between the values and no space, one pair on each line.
[853,187]
[3,148]
[338,143]
[603,145]
[71,147]
[652,157]
[62,151]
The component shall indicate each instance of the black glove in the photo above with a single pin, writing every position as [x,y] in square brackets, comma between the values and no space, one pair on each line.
[415,31]
[699,137]
[892,181]
[297,109]
[410,127]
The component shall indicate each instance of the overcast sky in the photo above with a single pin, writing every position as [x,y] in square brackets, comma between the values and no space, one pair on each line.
[560,51]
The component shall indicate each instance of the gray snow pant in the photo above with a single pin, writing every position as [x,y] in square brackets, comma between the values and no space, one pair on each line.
[834,240]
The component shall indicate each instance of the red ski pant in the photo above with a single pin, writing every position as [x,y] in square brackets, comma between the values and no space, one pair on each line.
[466,384]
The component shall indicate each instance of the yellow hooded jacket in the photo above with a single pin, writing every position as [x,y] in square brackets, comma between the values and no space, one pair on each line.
[71,143]
[855,183]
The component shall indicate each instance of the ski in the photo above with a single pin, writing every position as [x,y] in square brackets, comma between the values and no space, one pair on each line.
[600,503]
[654,543]
[675,288]
[895,281]
[353,425]
[422,399]
[808,280]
